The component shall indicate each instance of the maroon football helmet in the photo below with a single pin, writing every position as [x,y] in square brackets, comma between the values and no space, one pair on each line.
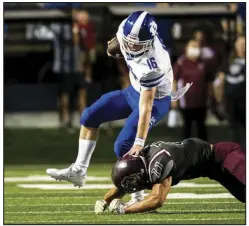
[130,173]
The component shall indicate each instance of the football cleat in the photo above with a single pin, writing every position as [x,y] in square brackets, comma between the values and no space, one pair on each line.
[68,174]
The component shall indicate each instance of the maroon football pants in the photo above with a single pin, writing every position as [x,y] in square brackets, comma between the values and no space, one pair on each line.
[232,168]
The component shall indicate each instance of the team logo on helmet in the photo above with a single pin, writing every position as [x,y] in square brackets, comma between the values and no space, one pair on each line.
[153,28]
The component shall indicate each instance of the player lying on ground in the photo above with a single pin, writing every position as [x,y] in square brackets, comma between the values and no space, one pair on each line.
[144,103]
[164,164]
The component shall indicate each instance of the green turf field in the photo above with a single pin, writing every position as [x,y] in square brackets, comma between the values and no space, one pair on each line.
[32,198]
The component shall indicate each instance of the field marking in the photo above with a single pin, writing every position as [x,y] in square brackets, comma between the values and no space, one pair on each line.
[170,196]
[125,220]
[56,197]
[91,211]
[41,178]
[91,204]
[48,178]
[103,186]
[65,186]
[78,191]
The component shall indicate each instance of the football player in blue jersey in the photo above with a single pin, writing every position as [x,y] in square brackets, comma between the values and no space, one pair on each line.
[144,103]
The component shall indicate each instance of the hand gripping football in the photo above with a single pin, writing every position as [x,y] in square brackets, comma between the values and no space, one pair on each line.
[113,49]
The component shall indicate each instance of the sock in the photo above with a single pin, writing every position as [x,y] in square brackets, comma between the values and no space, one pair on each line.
[86,148]
[139,195]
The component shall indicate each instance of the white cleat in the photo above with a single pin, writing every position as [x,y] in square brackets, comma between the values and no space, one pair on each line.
[68,174]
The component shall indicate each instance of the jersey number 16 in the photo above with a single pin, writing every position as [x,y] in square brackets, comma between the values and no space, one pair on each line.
[152,63]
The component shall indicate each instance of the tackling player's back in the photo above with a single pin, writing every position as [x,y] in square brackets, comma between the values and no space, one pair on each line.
[181,160]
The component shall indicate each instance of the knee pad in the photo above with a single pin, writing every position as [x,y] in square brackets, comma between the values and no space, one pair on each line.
[87,119]
[121,148]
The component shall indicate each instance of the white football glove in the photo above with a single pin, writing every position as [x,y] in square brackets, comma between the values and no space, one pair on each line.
[100,206]
[117,206]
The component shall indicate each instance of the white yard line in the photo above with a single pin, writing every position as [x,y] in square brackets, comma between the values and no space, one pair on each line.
[48,212]
[55,197]
[51,192]
[47,178]
[42,178]
[170,196]
[56,186]
[90,211]
[65,186]
[126,220]
[91,204]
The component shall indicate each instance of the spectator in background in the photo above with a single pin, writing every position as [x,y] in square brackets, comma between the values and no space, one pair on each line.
[240,10]
[213,53]
[209,52]
[191,68]
[230,87]
[87,41]
[69,68]
[60,5]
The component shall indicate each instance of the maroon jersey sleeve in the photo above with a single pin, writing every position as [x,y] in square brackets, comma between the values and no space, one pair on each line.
[160,167]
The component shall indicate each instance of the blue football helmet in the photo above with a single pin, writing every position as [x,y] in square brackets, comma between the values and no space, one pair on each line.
[139,32]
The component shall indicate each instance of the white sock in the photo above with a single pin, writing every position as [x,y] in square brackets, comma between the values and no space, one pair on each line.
[86,148]
[139,195]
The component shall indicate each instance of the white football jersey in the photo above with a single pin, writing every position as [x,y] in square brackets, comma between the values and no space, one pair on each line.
[153,69]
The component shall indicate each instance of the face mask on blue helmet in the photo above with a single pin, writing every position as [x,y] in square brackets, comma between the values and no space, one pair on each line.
[139,32]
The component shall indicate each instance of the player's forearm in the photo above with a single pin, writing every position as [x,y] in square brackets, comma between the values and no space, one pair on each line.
[145,110]
[149,203]
[144,121]
[155,200]
[113,193]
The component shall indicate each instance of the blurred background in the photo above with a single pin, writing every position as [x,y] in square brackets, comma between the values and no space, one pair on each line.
[55,64]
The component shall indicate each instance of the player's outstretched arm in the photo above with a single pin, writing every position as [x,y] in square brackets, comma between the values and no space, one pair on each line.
[153,201]
[145,109]
[113,193]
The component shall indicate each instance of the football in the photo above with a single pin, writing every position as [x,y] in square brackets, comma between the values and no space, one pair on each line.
[114,48]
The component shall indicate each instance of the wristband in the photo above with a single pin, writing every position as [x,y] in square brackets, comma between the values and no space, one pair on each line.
[139,142]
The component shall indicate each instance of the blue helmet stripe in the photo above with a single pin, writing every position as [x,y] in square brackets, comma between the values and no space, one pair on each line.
[138,24]
[131,20]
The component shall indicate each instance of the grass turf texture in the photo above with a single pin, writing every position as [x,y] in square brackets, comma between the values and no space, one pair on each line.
[35,206]
[53,146]
[25,150]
